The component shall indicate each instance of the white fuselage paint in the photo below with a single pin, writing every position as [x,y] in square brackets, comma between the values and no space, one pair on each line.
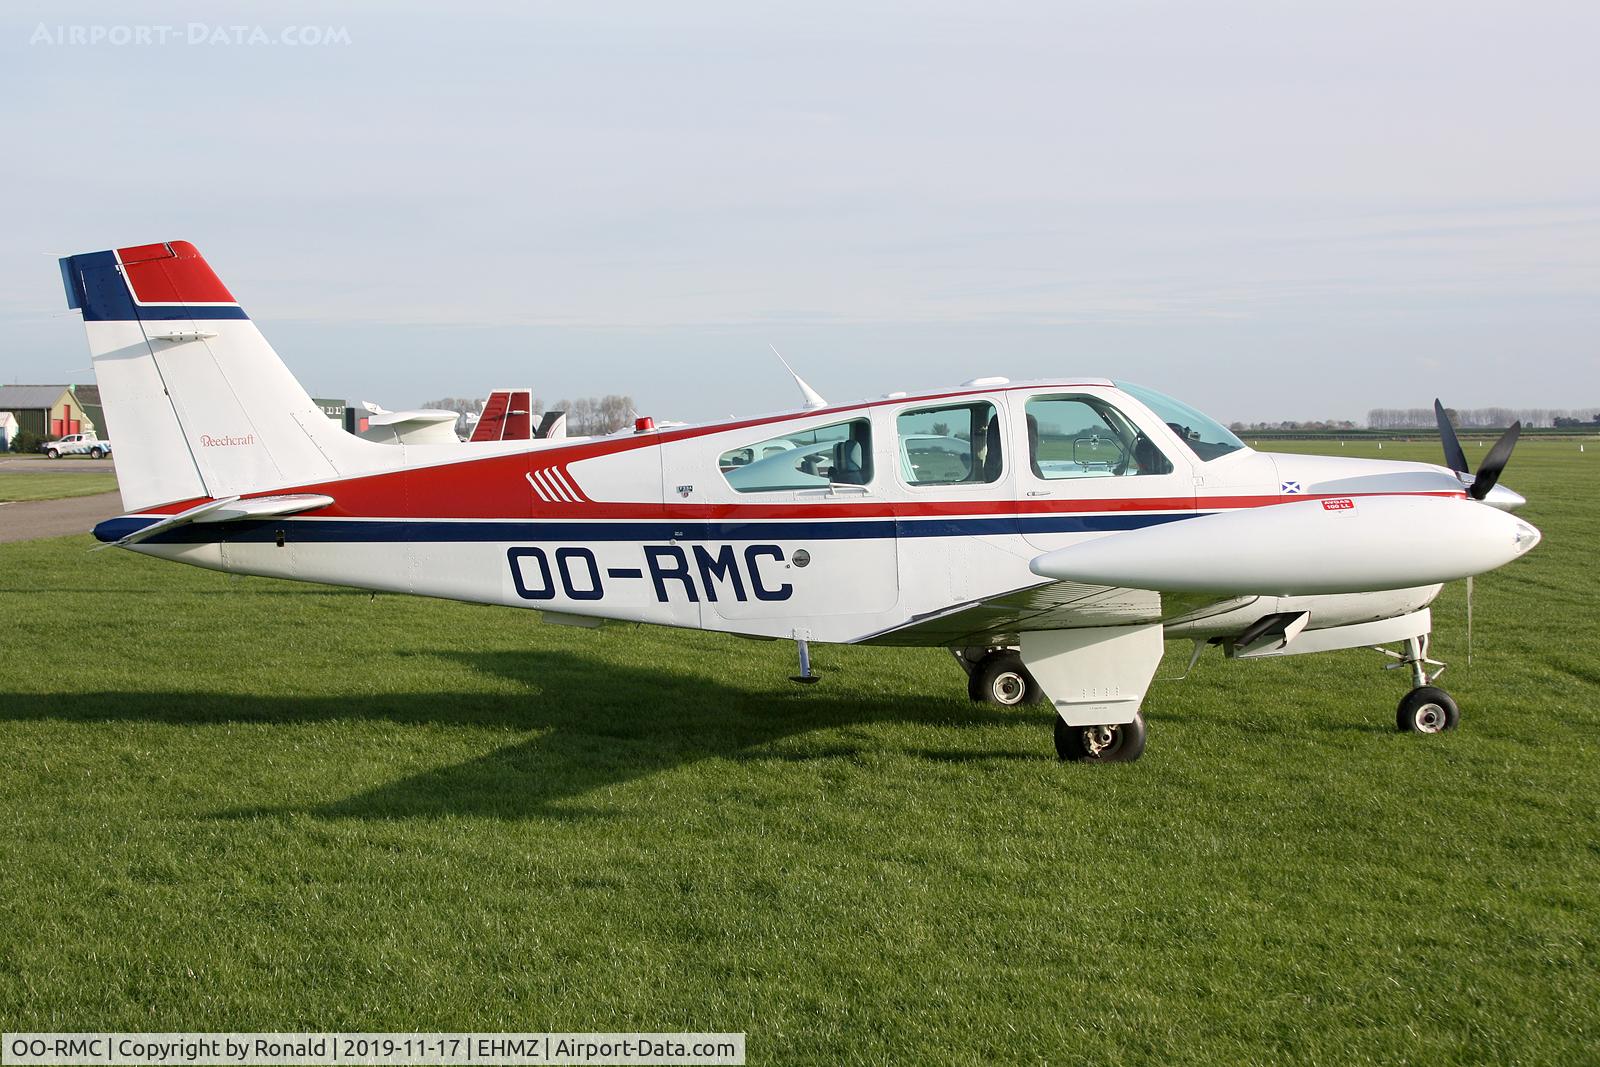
[660,536]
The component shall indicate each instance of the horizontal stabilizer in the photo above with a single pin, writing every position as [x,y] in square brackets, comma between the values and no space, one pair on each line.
[228,509]
[266,507]
[1342,545]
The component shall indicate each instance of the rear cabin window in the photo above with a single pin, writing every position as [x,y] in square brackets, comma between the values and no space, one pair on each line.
[1083,437]
[840,454]
[953,444]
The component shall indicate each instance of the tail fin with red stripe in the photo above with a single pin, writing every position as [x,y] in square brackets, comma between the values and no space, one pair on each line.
[196,400]
[507,416]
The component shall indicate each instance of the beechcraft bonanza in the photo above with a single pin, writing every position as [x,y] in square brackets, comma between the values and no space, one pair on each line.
[1050,534]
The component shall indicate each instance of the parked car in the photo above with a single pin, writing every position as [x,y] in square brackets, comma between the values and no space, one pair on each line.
[77,444]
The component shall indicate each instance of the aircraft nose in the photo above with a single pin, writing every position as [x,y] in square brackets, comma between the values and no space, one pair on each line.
[1526,537]
[1505,498]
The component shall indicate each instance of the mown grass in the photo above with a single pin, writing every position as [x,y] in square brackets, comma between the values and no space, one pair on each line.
[47,485]
[246,804]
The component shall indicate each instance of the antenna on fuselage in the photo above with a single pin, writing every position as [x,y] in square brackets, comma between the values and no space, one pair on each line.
[813,399]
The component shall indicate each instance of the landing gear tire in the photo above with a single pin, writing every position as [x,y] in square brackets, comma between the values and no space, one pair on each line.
[1121,743]
[1000,678]
[1427,709]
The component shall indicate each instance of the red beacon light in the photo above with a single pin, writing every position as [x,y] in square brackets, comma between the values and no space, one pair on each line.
[643,424]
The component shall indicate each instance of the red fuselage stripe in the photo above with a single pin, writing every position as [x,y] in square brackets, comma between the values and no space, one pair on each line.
[527,508]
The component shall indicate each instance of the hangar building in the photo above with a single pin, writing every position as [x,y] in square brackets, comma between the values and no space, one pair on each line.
[55,410]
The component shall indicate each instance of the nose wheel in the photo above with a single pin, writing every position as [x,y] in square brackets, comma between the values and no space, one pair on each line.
[1427,709]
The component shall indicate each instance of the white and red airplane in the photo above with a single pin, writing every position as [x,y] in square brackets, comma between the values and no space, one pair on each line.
[1050,534]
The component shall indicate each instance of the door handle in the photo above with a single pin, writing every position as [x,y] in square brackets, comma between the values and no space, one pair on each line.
[1040,492]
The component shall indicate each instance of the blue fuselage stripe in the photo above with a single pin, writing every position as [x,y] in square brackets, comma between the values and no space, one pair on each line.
[380,531]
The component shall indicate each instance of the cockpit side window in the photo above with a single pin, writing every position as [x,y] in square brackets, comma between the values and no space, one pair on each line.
[952,444]
[840,454]
[1201,434]
[1085,437]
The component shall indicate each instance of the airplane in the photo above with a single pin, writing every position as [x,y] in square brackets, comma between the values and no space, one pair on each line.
[1050,534]
[422,426]
[507,415]
[504,416]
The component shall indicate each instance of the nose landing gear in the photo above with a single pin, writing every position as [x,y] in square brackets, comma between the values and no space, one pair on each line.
[1427,709]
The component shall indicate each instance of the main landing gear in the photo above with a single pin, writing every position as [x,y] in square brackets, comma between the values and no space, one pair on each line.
[1427,709]
[1122,743]
[997,676]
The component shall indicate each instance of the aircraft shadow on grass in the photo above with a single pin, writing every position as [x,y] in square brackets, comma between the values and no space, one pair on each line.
[594,724]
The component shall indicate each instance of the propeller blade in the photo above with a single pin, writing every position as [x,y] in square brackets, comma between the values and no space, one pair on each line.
[1495,462]
[1453,455]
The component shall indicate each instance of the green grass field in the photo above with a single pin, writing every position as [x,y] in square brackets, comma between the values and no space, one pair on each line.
[242,804]
[53,485]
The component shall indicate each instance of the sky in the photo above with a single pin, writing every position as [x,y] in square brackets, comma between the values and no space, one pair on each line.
[1274,211]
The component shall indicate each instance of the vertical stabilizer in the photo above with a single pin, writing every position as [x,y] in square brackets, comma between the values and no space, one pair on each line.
[507,416]
[198,402]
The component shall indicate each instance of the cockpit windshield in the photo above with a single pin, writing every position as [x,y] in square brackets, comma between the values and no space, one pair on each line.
[1206,437]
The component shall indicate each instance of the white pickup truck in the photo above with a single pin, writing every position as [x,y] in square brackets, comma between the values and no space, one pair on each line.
[77,444]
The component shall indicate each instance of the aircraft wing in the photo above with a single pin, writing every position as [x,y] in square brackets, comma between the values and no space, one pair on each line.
[1051,606]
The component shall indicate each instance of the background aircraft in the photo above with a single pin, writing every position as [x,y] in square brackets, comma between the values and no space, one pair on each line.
[1051,534]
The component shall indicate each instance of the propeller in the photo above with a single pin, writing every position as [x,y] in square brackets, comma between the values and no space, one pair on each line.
[1453,455]
[1493,464]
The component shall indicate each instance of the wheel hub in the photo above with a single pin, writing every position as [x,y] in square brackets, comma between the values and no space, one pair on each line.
[1430,719]
[1009,688]
[1099,738]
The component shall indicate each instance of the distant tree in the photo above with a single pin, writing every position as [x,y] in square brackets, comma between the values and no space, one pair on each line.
[613,412]
[589,416]
[1494,418]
